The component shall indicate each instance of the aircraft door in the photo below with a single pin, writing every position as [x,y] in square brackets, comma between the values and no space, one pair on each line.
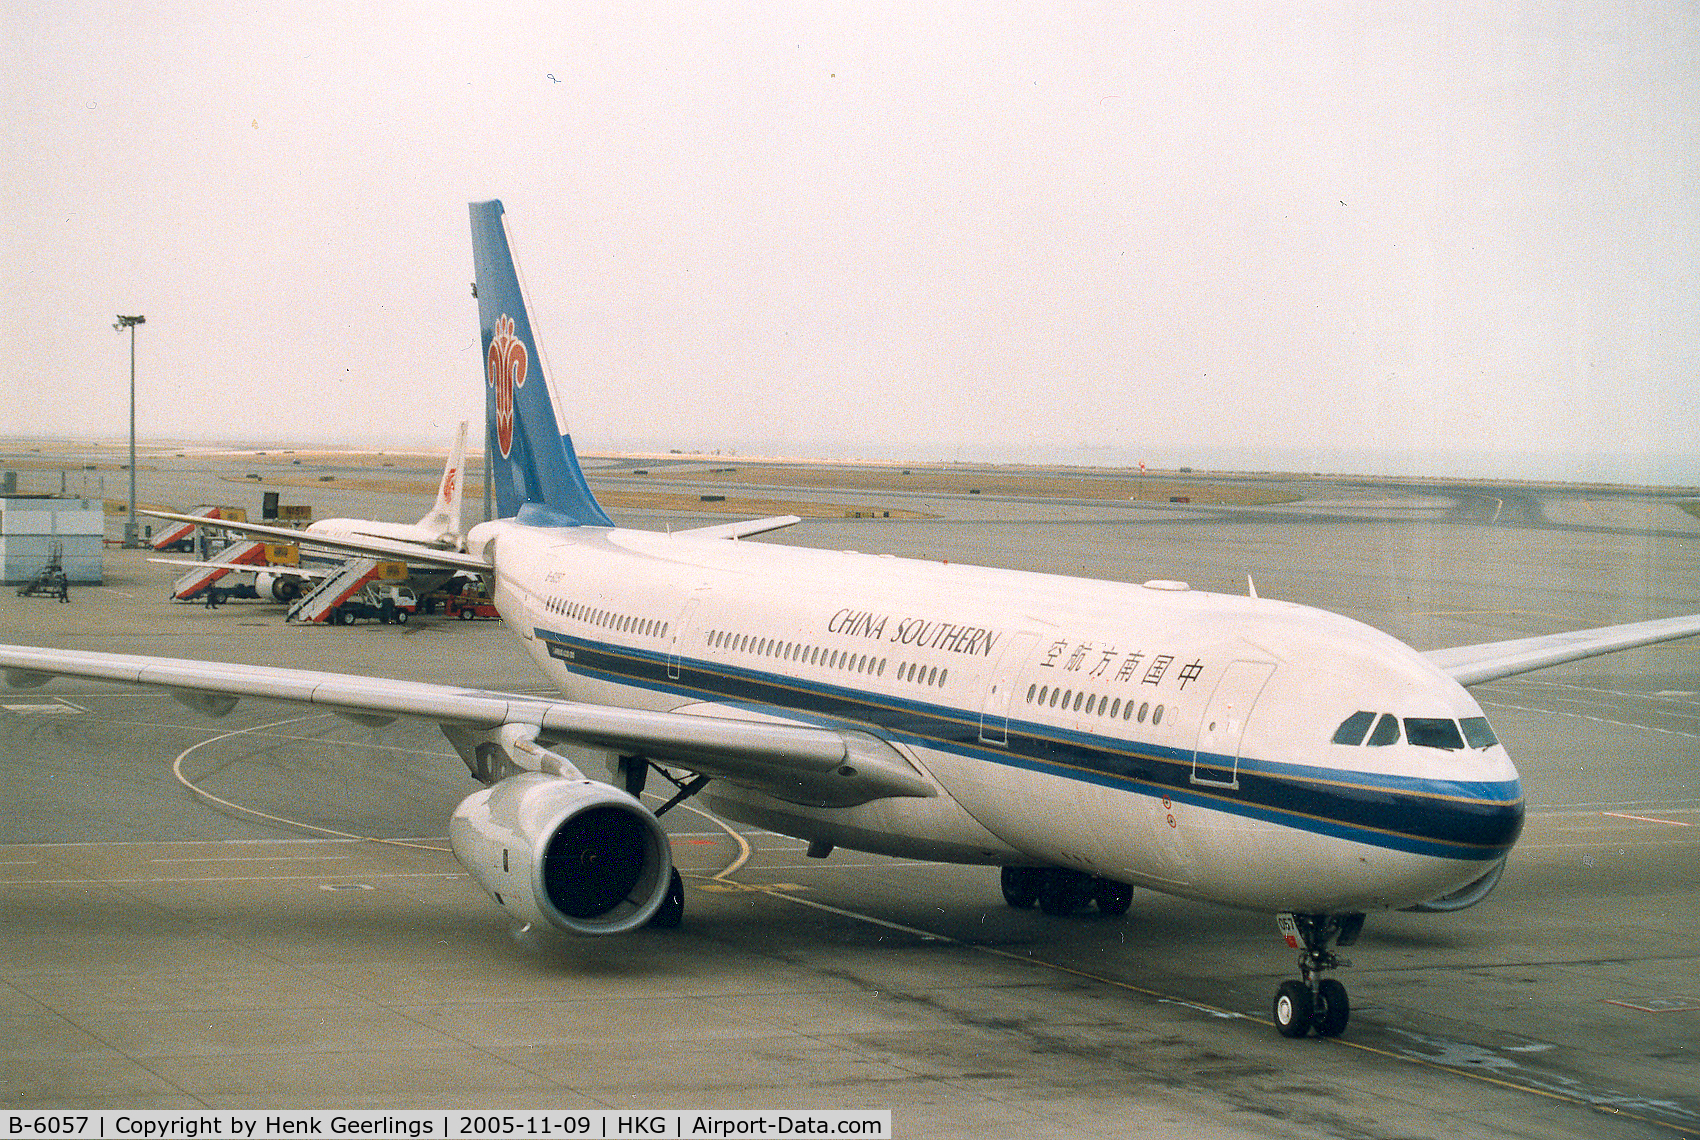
[994,714]
[1216,757]
[687,617]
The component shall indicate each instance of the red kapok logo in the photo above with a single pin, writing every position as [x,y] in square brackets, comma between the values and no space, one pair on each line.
[506,368]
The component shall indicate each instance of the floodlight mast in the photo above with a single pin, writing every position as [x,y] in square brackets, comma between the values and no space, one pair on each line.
[130,539]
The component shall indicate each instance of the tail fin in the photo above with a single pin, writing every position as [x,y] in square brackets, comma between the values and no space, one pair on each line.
[445,517]
[530,461]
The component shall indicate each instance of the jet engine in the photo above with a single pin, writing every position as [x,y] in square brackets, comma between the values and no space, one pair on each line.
[581,856]
[1465,896]
[278,587]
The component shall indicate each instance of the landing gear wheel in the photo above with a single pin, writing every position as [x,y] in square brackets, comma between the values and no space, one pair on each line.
[1333,1008]
[1021,885]
[1293,1009]
[1063,892]
[1112,897]
[672,909]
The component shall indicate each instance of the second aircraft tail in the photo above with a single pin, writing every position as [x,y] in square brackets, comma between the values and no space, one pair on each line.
[530,460]
[445,516]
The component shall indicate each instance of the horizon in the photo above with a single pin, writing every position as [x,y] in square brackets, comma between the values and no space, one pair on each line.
[1603,470]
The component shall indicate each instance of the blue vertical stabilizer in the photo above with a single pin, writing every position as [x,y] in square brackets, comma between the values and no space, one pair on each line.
[531,461]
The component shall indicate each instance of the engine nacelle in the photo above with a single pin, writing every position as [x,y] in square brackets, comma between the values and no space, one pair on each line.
[579,855]
[278,587]
[1465,896]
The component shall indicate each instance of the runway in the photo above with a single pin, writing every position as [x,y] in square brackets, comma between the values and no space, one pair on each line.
[166,949]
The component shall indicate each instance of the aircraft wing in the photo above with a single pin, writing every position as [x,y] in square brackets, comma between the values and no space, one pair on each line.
[1471,664]
[266,567]
[742,529]
[797,763]
[411,552]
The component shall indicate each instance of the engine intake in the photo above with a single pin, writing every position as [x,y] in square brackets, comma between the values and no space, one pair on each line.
[278,587]
[579,855]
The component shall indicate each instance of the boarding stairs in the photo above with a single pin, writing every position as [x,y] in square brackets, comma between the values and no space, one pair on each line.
[243,555]
[180,532]
[317,604]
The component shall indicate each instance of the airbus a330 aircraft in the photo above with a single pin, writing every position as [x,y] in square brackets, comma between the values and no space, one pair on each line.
[1088,737]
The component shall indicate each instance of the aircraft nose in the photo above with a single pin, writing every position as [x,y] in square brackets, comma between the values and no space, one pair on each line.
[1485,810]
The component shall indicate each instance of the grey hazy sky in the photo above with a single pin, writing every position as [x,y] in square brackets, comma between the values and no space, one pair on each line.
[987,230]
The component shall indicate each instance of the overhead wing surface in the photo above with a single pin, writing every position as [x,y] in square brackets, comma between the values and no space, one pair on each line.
[413,552]
[1472,664]
[796,763]
[742,529]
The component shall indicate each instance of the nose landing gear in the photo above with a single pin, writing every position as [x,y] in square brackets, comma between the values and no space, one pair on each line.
[1315,1002]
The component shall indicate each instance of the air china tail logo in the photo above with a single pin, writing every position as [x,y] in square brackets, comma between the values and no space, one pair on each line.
[506,366]
[451,476]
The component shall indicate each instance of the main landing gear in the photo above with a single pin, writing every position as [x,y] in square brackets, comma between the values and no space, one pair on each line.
[1059,890]
[1315,1002]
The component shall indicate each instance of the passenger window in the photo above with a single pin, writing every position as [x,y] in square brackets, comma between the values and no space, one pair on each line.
[1352,729]
[1157,715]
[1115,709]
[1054,694]
[1478,732]
[1433,732]
[1386,731]
[932,676]
[1077,699]
[1044,691]
[1031,689]
[1143,709]
[943,677]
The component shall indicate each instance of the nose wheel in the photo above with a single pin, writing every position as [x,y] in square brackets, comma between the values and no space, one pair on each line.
[1314,1002]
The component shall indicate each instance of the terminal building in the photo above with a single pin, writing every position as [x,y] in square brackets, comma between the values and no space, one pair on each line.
[32,526]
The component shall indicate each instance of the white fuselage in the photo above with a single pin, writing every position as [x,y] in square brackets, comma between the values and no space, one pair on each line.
[1152,734]
[420,532]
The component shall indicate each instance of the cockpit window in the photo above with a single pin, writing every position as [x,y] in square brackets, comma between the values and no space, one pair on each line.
[1386,731]
[1478,733]
[1352,729]
[1433,732]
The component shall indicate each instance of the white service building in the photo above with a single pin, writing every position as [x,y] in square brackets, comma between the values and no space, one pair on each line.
[31,524]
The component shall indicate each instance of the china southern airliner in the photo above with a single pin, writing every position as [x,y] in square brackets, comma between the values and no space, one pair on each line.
[1086,737]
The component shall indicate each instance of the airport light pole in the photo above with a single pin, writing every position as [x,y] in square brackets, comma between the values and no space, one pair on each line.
[130,540]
